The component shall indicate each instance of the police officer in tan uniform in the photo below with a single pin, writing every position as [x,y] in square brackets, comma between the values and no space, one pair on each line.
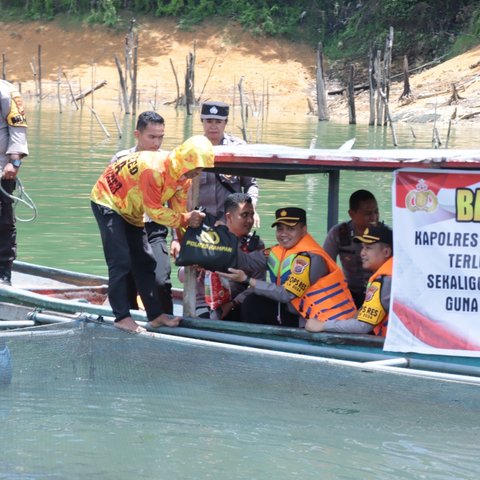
[13,148]
[216,187]
[372,317]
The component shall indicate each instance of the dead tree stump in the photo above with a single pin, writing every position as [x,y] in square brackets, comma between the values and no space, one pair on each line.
[322,109]
[351,96]
[406,96]
[372,87]
[455,97]
[190,80]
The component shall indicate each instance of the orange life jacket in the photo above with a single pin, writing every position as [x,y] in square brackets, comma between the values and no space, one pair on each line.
[385,270]
[328,298]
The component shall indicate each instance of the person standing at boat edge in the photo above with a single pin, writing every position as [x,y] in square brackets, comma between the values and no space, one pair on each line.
[138,184]
[377,256]
[149,133]
[215,187]
[363,211]
[304,281]
[13,148]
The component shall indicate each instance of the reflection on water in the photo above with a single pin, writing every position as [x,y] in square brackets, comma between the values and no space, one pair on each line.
[99,403]
[69,151]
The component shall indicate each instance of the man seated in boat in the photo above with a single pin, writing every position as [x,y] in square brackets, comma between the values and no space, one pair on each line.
[239,217]
[363,211]
[142,183]
[304,281]
[377,256]
[224,297]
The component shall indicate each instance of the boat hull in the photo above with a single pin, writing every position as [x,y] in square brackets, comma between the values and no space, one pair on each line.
[55,296]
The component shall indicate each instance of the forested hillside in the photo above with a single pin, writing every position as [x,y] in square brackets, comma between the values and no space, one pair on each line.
[347,29]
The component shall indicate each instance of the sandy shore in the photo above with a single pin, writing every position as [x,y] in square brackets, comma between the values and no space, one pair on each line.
[275,71]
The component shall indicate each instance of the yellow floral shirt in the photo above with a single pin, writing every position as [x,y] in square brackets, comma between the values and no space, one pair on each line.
[144,182]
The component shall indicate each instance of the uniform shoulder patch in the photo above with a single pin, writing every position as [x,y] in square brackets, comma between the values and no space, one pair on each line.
[16,116]
[300,263]
[371,291]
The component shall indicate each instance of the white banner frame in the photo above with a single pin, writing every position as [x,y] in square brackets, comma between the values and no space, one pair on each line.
[435,300]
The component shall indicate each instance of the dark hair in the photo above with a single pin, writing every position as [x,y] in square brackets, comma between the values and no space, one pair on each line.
[234,200]
[148,117]
[360,196]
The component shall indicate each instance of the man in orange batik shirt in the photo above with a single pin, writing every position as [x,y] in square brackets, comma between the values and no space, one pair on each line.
[135,185]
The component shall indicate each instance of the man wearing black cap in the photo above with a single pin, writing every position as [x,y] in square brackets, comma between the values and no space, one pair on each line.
[304,281]
[215,187]
[377,256]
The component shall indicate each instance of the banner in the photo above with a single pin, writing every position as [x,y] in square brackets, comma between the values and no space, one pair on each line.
[435,299]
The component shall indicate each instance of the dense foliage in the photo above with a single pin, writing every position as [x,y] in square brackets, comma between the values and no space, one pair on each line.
[346,28]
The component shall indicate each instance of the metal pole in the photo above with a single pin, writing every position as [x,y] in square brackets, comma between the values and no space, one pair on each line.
[333,198]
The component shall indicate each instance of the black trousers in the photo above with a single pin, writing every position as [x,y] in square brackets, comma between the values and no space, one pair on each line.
[157,238]
[263,310]
[126,250]
[8,231]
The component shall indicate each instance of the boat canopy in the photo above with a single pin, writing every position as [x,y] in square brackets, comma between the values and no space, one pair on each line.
[275,162]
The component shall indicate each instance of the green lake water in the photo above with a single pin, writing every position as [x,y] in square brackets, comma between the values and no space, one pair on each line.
[96,403]
[108,405]
[70,150]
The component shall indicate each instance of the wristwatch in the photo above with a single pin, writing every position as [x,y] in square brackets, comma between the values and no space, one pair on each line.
[16,162]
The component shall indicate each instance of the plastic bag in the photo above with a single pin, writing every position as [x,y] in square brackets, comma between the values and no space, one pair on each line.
[211,247]
[217,290]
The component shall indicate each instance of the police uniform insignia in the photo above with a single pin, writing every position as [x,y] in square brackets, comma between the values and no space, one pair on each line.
[371,291]
[372,311]
[299,265]
[227,179]
[213,110]
[16,116]
[299,279]
[421,198]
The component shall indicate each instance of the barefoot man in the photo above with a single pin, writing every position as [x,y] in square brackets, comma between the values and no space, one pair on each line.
[134,185]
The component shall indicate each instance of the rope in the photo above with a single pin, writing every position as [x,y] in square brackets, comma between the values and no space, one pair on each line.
[22,197]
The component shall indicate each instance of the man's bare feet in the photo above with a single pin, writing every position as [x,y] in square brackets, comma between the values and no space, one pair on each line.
[129,325]
[165,320]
